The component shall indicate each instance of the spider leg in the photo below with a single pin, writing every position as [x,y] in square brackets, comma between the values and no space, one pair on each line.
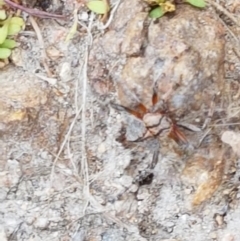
[140,111]
[154,98]
[177,135]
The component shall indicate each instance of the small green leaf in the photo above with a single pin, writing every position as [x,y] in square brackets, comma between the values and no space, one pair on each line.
[4,32]
[197,3]
[98,7]
[3,14]
[8,43]
[17,20]
[156,13]
[72,31]
[14,29]
[4,53]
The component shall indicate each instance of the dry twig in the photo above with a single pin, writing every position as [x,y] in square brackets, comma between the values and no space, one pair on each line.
[224,11]
[84,79]
[34,12]
[41,42]
[111,16]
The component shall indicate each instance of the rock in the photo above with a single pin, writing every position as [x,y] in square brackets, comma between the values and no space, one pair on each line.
[19,97]
[205,174]
[180,56]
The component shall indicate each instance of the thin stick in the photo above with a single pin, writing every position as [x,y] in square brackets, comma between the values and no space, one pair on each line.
[41,42]
[224,11]
[34,12]
[111,16]
[64,143]
[227,124]
[84,163]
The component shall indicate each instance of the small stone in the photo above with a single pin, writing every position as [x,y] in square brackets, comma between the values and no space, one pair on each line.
[83,16]
[41,223]
[133,188]
[184,217]
[188,191]
[228,237]
[66,72]
[101,148]
[219,219]
[53,53]
[2,64]
[197,120]
[2,234]
[169,224]
[213,235]
[44,155]
[126,181]
[142,193]
[16,57]
[29,220]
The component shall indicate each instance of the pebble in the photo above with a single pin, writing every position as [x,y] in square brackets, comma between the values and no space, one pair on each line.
[126,181]
[219,219]
[2,234]
[83,16]
[53,53]
[142,193]
[169,224]
[66,72]
[101,148]
[29,220]
[41,223]
[213,235]
[228,237]
[133,188]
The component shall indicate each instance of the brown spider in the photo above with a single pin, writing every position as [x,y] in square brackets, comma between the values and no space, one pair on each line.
[157,121]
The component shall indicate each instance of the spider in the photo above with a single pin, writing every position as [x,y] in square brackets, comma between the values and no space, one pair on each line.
[157,120]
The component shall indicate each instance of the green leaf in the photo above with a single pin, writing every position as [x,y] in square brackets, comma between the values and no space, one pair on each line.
[2,14]
[4,32]
[14,29]
[72,31]
[8,43]
[4,53]
[156,12]
[17,20]
[98,7]
[197,3]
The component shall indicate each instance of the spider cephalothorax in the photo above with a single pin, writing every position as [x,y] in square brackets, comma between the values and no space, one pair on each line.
[157,121]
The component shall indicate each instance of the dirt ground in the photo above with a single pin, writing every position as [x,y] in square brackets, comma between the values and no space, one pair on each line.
[73,165]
